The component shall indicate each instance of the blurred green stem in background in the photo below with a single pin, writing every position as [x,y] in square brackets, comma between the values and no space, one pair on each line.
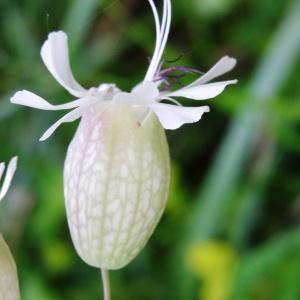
[242,137]
[253,194]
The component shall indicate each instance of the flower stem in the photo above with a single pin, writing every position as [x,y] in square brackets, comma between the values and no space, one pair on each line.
[106,284]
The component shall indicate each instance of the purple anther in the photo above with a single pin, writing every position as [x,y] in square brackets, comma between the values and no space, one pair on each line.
[168,79]
[167,71]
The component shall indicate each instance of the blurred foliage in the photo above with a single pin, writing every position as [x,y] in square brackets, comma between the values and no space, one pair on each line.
[232,221]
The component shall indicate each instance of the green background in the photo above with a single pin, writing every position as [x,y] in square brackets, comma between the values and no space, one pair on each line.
[231,227]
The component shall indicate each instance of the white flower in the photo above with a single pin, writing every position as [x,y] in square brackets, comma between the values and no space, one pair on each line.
[117,169]
[9,283]
[8,177]
[147,95]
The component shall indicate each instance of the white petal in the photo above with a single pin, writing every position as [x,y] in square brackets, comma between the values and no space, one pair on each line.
[161,38]
[69,117]
[2,168]
[29,99]
[202,92]
[224,65]
[55,54]
[156,19]
[146,91]
[126,98]
[142,94]
[8,177]
[172,116]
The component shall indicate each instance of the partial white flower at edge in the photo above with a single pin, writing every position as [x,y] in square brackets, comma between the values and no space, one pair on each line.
[145,95]
[9,283]
[11,168]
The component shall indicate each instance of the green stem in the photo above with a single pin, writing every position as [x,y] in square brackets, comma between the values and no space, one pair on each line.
[106,284]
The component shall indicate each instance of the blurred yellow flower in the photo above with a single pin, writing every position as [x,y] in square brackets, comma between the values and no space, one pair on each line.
[214,263]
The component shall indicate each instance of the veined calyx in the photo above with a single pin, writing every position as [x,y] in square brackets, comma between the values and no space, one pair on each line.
[116,184]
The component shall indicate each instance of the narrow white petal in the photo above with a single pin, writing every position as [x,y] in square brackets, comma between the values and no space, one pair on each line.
[55,54]
[161,40]
[156,19]
[2,168]
[224,65]
[69,117]
[30,99]
[165,34]
[12,166]
[173,117]
[202,92]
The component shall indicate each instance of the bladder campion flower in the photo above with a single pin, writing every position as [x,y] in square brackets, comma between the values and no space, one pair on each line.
[117,170]
[9,284]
